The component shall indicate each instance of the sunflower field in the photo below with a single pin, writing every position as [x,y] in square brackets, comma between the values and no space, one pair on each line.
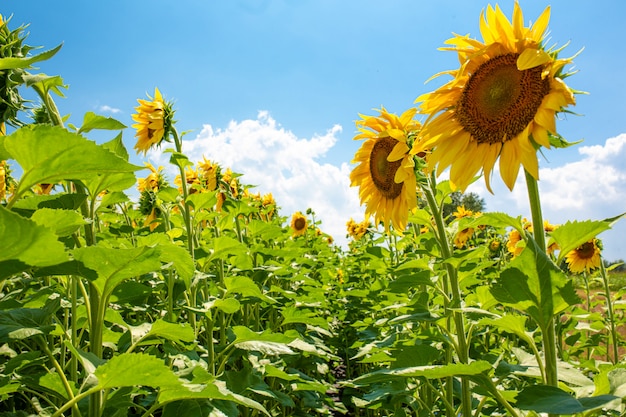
[124,295]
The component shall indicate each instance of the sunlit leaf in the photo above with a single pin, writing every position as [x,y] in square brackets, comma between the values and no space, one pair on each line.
[246,287]
[553,400]
[428,371]
[535,285]
[94,121]
[176,332]
[572,234]
[28,242]
[49,154]
[113,266]
[61,222]
[130,369]
[510,323]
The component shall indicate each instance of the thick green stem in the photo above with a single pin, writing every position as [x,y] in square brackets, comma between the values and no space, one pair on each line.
[549,335]
[456,296]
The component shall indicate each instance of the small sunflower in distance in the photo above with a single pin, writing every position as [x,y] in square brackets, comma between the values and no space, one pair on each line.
[385,171]
[153,121]
[584,258]
[298,224]
[501,102]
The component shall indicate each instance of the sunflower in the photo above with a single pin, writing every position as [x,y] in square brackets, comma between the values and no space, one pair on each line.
[501,102]
[461,212]
[584,258]
[210,172]
[357,230]
[515,244]
[461,238]
[298,224]
[154,181]
[153,118]
[385,174]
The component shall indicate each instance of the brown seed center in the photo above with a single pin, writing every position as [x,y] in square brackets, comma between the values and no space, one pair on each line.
[300,223]
[383,171]
[586,250]
[499,101]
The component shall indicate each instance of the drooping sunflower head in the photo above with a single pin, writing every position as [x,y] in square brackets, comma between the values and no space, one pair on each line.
[154,181]
[585,258]
[385,172]
[461,238]
[154,120]
[501,102]
[298,224]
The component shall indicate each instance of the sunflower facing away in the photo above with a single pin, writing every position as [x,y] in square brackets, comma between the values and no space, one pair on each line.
[151,117]
[584,258]
[501,102]
[384,173]
[298,224]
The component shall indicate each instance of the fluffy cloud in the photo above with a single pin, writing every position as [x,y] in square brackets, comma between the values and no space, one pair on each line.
[593,187]
[109,109]
[277,161]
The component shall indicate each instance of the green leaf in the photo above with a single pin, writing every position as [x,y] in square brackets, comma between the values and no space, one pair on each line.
[292,314]
[429,371]
[170,252]
[13,62]
[28,242]
[553,400]
[63,201]
[510,323]
[112,198]
[131,369]
[201,201]
[23,323]
[44,83]
[176,332]
[113,266]
[94,121]
[62,222]
[227,305]
[211,389]
[571,235]
[496,219]
[535,285]
[266,342]
[49,154]
[246,287]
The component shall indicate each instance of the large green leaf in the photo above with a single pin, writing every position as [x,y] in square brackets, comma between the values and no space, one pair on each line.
[135,369]
[553,400]
[429,371]
[113,266]
[177,332]
[266,342]
[535,285]
[510,323]
[49,154]
[571,235]
[25,240]
[246,287]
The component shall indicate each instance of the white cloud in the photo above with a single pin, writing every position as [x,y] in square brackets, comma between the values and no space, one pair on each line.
[593,187]
[277,161]
[109,109]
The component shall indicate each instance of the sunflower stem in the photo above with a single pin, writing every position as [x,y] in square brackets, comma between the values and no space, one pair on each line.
[610,314]
[183,180]
[456,300]
[549,337]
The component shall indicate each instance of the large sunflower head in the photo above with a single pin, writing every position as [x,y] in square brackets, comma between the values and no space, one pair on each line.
[298,224]
[584,258]
[385,171]
[501,102]
[153,122]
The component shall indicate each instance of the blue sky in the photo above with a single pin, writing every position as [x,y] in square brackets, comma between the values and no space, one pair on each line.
[293,75]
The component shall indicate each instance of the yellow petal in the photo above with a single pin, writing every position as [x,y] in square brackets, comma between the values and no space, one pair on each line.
[399,151]
[532,58]
[540,25]
[509,163]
